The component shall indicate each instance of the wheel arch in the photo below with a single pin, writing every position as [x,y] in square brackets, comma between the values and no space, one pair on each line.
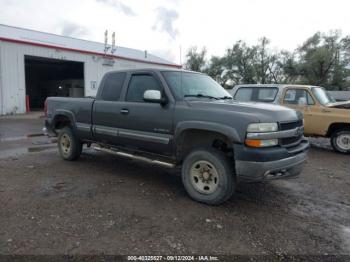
[62,119]
[193,134]
[337,126]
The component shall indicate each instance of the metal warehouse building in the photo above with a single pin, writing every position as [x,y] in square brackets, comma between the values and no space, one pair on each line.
[35,65]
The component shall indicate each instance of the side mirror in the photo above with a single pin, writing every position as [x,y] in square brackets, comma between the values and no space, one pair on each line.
[154,96]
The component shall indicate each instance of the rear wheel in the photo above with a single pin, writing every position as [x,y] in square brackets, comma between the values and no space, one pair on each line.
[340,141]
[208,176]
[69,145]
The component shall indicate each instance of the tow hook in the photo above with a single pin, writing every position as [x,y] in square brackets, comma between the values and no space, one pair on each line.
[270,175]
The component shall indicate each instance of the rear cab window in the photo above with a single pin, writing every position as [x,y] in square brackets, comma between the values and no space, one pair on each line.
[256,94]
[112,86]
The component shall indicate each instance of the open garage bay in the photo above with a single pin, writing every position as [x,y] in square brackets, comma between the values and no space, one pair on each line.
[51,77]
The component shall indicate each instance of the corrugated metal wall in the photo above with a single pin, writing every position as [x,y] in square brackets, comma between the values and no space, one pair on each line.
[12,75]
[1,89]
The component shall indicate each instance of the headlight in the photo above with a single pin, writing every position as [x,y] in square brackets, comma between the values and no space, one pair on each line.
[262,127]
[255,129]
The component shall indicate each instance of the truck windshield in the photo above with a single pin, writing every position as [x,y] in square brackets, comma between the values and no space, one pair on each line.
[322,96]
[187,84]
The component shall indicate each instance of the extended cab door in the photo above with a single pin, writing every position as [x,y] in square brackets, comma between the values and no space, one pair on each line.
[146,126]
[106,109]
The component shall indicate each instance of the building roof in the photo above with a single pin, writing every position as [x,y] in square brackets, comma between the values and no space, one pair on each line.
[48,40]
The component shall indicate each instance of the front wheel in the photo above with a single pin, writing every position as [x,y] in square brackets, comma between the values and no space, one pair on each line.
[69,145]
[340,141]
[208,176]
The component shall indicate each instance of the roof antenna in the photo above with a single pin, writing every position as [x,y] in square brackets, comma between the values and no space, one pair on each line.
[180,55]
[106,43]
[113,44]
[108,59]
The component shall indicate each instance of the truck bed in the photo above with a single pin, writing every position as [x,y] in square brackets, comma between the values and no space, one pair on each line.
[78,110]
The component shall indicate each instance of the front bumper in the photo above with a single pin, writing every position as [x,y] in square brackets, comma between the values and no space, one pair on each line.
[280,163]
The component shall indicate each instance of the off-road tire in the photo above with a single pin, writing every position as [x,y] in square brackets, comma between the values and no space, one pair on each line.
[73,150]
[335,143]
[224,170]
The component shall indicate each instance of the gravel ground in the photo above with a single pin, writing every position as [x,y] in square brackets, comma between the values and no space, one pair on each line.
[20,127]
[101,204]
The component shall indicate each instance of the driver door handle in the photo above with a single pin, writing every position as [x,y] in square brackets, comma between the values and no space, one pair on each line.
[124,111]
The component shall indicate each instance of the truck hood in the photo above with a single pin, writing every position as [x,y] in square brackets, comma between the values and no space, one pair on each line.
[345,104]
[264,112]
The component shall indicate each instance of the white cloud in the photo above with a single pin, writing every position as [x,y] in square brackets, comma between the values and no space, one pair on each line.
[214,24]
[119,6]
[165,21]
[74,30]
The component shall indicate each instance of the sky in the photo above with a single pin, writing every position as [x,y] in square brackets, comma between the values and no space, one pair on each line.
[164,27]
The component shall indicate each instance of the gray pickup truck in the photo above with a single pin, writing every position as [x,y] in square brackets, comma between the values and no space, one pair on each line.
[181,118]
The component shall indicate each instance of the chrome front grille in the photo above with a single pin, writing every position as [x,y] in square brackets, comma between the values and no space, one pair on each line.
[290,125]
[294,140]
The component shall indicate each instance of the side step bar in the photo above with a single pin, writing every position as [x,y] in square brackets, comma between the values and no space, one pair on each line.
[135,157]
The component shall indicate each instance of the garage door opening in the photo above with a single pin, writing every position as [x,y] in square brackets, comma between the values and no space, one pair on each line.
[51,77]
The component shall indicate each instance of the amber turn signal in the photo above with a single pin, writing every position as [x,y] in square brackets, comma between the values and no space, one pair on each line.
[261,143]
[253,143]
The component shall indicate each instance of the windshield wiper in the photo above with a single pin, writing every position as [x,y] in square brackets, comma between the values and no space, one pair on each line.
[225,97]
[202,96]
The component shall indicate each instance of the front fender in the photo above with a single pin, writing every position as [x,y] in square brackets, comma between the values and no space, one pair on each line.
[227,131]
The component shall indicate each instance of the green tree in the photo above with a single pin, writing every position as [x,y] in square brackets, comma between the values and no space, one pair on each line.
[217,70]
[324,59]
[239,62]
[263,61]
[282,67]
[289,65]
[196,60]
